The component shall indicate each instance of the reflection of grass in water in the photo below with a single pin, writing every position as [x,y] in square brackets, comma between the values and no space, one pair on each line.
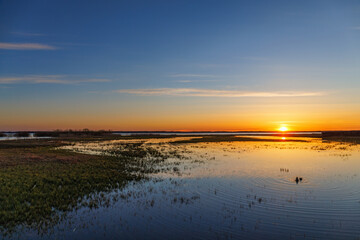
[39,193]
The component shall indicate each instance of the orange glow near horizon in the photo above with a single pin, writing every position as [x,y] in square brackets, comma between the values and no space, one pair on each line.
[161,116]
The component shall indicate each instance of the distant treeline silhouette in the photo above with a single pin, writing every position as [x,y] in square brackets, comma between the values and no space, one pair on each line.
[22,134]
[70,132]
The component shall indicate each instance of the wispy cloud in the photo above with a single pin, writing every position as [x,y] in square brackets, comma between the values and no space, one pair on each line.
[52,79]
[193,75]
[195,92]
[25,46]
[195,80]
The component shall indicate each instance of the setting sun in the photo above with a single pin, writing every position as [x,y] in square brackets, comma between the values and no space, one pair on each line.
[283,129]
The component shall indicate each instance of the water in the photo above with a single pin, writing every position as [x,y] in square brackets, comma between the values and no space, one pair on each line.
[214,133]
[11,136]
[230,190]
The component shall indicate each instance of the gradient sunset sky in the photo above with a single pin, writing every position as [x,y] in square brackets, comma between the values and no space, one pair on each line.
[180,65]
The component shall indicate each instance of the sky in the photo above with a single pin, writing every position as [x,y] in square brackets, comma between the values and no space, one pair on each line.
[180,65]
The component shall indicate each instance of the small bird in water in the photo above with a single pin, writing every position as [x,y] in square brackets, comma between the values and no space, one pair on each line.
[298,179]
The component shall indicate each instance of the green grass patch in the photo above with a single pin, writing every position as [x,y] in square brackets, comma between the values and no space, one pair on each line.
[39,185]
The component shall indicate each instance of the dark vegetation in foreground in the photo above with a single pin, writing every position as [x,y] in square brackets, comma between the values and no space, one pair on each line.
[39,183]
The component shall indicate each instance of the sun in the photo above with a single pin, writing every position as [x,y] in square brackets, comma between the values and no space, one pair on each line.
[283,129]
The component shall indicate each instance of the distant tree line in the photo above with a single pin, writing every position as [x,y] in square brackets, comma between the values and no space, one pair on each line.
[70,132]
[22,134]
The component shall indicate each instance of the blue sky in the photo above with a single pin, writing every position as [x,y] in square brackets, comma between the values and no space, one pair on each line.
[60,58]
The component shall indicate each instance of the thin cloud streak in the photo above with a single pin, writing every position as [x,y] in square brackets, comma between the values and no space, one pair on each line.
[191,81]
[195,92]
[193,75]
[52,79]
[26,46]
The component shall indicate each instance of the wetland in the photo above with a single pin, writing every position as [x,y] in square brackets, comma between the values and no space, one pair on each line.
[198,187]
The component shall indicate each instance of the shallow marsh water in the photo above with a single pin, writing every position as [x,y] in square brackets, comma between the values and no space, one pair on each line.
[225,190]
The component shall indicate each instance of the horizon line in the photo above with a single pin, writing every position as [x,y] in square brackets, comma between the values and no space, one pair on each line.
[183,131]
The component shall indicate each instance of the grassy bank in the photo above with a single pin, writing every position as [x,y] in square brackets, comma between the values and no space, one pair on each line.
[39,184]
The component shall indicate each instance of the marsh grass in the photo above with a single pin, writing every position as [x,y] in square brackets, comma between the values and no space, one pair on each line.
[39,184]
[29,143]
[343,139]
[37,195]
[2,134]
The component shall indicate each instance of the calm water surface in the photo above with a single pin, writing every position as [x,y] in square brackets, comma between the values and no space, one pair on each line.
[225,190]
